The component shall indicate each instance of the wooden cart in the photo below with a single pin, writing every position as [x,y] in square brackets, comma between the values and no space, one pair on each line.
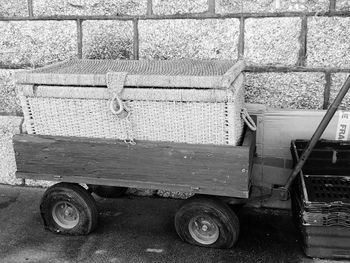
[208,171]
[213,168]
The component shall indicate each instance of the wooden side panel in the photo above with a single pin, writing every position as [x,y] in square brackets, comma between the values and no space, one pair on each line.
[208,169]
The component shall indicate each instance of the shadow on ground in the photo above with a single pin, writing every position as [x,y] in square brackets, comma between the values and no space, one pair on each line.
[136,229]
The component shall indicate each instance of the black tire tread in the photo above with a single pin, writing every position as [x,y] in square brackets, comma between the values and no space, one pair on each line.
[218,203]
[212,202]
[81,193]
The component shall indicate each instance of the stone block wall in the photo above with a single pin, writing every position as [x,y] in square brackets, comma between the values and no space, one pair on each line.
[286,43]
[297,51]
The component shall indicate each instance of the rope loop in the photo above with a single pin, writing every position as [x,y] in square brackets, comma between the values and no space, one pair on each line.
[130,141]
[248,120]
[115,84]
[116,103]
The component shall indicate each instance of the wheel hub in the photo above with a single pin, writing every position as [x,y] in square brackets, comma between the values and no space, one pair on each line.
[204,230]
[65,214]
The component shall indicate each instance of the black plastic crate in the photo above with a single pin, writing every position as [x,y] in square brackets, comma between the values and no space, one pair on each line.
[328,188]
[321,199]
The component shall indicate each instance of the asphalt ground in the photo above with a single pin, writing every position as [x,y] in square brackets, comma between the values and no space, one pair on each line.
[138,229]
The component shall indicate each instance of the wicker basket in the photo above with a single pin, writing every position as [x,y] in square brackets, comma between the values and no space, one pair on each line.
[180,101]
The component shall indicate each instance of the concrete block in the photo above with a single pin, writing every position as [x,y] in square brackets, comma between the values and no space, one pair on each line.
[107,39]
[8,100]
[36,43]
[200,39]
[272,40]
[342,5]
[337,81]
[161,193]
[328,42]
[89,7]
[13,8]
[170,7]
[295,90]
[259,6]
[9,125]
[176,195]
[39,183]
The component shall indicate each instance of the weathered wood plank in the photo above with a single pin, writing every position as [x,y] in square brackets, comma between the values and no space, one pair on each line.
[208,169]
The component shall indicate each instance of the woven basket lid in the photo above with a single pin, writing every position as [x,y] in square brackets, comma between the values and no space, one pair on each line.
[166,73]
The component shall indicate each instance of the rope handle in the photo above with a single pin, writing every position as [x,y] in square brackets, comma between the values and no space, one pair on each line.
[115,84]
[248,120]
[119,103]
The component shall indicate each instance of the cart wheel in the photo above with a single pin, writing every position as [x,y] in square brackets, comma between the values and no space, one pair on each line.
[107,191]
[207,222]
[68,209]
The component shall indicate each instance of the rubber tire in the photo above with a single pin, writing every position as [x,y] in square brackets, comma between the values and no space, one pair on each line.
[218,211]
[76,195]
[107,191]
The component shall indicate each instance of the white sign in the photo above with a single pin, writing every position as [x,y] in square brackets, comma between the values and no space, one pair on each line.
[343,126]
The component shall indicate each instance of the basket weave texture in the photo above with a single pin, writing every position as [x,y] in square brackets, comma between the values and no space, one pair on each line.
[141,67]
[187,115]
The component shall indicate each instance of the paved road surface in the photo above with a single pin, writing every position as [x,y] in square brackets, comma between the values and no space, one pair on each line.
[136,229]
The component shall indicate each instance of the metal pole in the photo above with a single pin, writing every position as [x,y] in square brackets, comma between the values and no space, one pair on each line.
[318,133]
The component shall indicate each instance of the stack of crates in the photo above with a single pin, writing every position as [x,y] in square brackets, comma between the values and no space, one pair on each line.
[321,199]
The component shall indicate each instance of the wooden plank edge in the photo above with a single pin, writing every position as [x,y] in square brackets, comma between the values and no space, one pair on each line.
[24,138]
[130,183]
